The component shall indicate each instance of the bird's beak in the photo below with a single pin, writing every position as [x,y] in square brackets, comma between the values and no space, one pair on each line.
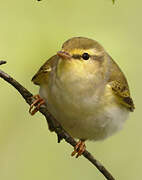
[64,55]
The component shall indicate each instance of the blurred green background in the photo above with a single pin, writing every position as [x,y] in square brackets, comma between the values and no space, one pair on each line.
[31,32]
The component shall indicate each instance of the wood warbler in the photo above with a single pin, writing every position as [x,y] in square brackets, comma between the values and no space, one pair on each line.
[85,90]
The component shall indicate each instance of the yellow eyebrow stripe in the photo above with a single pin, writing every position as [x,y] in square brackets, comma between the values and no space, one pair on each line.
[91,52]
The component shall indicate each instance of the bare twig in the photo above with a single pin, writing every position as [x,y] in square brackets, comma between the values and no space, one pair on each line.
[2,62]
[53,123]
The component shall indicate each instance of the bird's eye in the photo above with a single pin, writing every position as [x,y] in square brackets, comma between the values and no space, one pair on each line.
[85,56]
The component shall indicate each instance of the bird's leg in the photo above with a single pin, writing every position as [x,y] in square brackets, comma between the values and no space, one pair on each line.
[79,148]
[37,103]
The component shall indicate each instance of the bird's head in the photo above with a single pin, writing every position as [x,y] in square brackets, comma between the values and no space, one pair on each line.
[82,57]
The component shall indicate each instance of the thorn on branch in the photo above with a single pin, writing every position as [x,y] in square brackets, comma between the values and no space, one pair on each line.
[59,138]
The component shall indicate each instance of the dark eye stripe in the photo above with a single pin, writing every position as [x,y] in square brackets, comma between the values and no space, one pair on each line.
[76,56]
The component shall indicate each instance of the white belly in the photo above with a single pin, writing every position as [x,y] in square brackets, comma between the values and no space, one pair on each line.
[84,116]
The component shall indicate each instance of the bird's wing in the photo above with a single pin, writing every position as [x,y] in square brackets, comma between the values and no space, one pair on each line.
[120,87]
[123,94]
[43,73]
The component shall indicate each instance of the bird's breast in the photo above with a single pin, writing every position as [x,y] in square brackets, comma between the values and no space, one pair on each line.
[86,109]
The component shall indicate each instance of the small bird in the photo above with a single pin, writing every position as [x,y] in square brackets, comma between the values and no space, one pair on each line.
[85,90]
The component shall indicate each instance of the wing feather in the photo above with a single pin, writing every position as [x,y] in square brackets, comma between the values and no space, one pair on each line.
[43,73]
[119,86]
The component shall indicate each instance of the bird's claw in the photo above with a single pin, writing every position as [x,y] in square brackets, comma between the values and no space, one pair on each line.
[37,103]
[79,149]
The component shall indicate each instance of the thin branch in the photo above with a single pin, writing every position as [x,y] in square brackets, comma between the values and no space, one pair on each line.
[53,123]
[2,62]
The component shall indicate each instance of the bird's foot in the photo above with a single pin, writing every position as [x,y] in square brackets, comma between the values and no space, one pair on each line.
[79,148]
[37,103]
